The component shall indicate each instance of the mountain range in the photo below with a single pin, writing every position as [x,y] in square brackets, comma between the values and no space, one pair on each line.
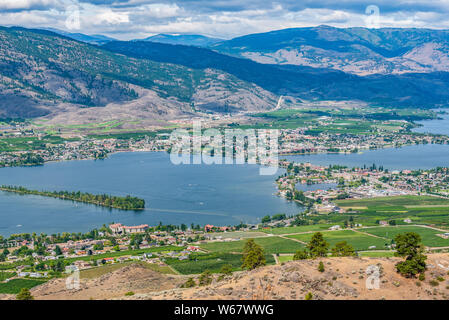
[359,51]
[45,72]
[185,39]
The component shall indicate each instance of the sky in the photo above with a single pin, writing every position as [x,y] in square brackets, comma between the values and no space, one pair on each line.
[134,19]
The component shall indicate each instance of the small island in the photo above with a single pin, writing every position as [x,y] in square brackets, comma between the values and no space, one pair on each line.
[123,203]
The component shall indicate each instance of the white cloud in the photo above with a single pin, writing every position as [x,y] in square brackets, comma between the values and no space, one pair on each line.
[27,4]
[226,19]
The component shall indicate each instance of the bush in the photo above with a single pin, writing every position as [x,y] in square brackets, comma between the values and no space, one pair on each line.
[422,277]
[24,294]
[190,283]
[309,296]
[434,283]
[321,266]
[226,269]
[301,255]
[129,293]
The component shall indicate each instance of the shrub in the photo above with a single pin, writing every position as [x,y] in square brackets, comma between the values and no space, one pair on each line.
[190,283]
[129,293]
[226,269]
[422,277]
[24,294]
[434,283]
[309,296]
[301,255]
[321,266]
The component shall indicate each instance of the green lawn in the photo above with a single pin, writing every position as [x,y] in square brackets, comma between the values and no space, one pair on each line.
[270,245]
[428,236]
[357,240]
[14,286]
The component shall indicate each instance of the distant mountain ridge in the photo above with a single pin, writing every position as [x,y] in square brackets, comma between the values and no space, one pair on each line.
[97,39]
[353,50]
[184,39]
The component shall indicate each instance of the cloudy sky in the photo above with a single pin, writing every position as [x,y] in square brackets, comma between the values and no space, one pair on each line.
[130,19]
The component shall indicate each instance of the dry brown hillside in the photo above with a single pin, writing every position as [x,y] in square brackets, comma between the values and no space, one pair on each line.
[343,279]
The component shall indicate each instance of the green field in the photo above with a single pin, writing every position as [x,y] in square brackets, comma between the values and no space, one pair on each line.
[271,245]
[10,144]
[357,240]
[213,262]
[297,229]
[377,254]
[14,286]
[240,234]
[401,201]
[6,275]
[420,209]
[115,254]
[428,236]
[285,258]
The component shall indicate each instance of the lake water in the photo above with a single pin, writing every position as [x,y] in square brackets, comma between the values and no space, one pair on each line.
[215,194]
[316,186]
[435,126]
[408,157]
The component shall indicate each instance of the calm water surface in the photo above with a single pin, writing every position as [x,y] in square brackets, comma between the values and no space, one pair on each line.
[216,194]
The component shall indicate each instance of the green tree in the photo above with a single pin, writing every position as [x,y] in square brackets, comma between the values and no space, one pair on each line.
[301,255]
[342,249]
[409,245]
[317,246]
[205,278]
[24,294]
[266,219]
[58,251]
[253,255]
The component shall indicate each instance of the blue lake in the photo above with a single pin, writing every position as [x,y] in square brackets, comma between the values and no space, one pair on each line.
[408,157]
[435,126]
[216,194]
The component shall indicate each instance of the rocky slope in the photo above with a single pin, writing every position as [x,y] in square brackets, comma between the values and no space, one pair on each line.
[43,73]
[343,279]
